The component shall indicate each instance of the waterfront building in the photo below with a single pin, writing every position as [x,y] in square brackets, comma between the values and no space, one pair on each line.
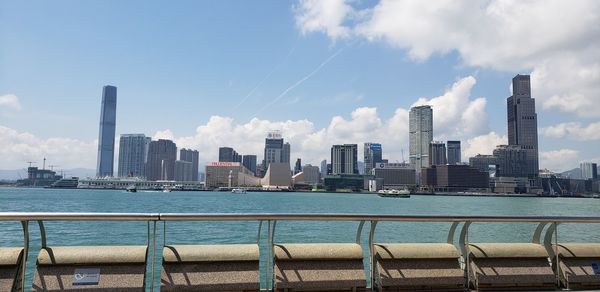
[229,174]
[191,156]
[372,155]
[273,149]
[393,175]
[344,159]
[420,135]
[123,183]
[38,177]
[133,155]
[506,161]
[453,152]
[522,123]
[161,160]
[183,170]
[298,166]
[324,167]
[106,136]
[344,182]
[228,154]
[311,174]
[437,153]
[589,170]
[285,153]
[249,162]
[277,176]
[454,178]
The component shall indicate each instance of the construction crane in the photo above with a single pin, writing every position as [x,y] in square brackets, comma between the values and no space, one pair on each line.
[31,162]
[52,167]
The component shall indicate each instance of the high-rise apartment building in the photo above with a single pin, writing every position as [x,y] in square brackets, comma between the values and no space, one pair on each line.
[522,122]
[453,152]
[228,154]
[183,170]
[589,170]
[285,153]
[161,160]
[324,167]
[106,136]
[298,166]
[420,135]
[249,161]
[133,155]
[372,155]
[344,159]
[437,153]
[191,156]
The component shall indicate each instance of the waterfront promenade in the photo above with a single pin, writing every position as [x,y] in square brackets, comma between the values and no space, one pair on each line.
[106,233]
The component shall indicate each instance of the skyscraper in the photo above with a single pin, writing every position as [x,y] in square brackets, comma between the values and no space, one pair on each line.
[274,149]
[228,154]
[161,160]
[183,170]
[191,156]
[589,170]
[133,155]
[344,159]
[437,153]
[285,153]
[249,161]
[106,136]
[453,152]
[324,167]
[298,166]
[420,135]
[372,155]
[522,122]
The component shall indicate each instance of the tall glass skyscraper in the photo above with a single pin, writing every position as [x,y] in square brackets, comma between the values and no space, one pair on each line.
[522,122]
[162,155]
[191,156]
[420,135]
[453,149]
[106,137]
[133,155]
[344,159]
[372,155]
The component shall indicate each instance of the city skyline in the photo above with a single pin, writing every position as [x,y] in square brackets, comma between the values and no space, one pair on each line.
[329,84]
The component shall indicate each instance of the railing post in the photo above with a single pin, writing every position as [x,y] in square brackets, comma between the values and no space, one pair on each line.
[371,254]
[556,253]
[153,255]
[25,225]
[42,233]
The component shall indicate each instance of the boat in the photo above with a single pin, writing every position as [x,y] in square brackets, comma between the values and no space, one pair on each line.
[238,191]
[65,183]
[131,189]
[167,190]
[404,193]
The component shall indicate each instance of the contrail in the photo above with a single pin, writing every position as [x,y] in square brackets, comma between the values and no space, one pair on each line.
[315,71]
[266,77]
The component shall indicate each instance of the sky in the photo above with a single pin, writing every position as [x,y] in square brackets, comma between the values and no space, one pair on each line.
[224,73]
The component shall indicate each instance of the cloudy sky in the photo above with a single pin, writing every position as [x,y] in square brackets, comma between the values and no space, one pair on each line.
[223,73]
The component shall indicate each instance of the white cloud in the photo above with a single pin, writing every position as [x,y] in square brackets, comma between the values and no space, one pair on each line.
[559,160]
[574,131]
[325,16]
[16,148]
[483,144]
[10,101]
[557,40]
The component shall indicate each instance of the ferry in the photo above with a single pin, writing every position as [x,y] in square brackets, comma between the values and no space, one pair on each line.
[65,183]
[404,193]
[131,189]
[238,191]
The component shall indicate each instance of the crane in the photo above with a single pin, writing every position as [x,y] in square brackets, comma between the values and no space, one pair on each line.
[31,162]
[52,167]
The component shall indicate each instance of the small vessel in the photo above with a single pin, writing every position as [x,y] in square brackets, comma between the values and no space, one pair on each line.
[238,191]
[403,193]
[167,190]
[131,189]
[65,183]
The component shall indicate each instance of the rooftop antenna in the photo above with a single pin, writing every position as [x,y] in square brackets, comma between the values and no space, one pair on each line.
[31,162]
[44,165]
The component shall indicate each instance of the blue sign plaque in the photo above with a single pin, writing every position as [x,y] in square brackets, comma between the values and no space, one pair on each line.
[89,276]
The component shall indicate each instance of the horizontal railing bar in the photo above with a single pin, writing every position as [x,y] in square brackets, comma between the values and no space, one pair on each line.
[60,216]
[49,216]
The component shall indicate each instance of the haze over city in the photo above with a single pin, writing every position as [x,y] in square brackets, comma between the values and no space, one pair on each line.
[323,72]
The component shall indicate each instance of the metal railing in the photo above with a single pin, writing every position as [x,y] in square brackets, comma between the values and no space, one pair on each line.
[271,220]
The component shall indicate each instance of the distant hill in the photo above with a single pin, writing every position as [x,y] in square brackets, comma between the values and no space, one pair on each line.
[14,174]
[574,173]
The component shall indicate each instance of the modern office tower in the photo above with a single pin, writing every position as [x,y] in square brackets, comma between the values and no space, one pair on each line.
[275,150]
[285,153]
[324,167]
[522,122]
[311,174]
[133,155]
[228,154]
[589,170]
[161,160]
[395,175]
[190,155]
[298,166]
[249,161]
[437,153]
[453,152]
[372,155]
[183,170]
[506,161]
[420,135]
[106,137]
[344,159]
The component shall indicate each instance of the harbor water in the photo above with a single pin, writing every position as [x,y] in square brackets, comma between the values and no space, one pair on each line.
[123,233]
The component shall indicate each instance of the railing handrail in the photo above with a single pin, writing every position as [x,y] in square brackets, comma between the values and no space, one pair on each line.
[92,216]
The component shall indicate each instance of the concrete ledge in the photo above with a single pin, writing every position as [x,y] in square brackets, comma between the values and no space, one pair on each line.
[394,251]
[507,250]
[92,255]
[210,253]
[317,251]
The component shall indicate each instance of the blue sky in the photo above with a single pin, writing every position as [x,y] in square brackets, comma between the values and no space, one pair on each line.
[178,64]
